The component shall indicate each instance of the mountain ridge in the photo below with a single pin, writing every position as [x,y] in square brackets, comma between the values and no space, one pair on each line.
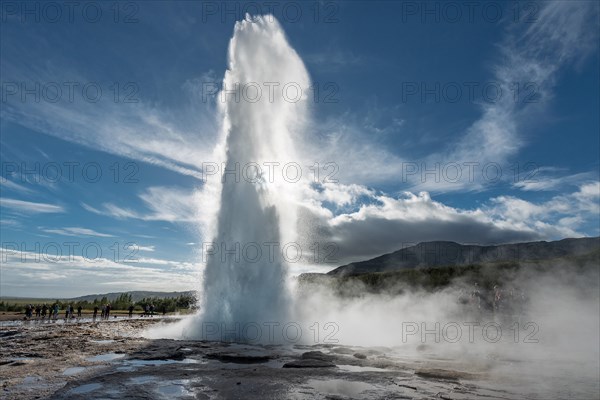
[447,253]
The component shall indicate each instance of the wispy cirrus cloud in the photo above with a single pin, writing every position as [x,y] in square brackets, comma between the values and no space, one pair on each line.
[13,186]
[74,231]
[545,179]
[563,34]
[137,130]
[10,222]
[334,59]
[145,248]
[30,207]
[168,204]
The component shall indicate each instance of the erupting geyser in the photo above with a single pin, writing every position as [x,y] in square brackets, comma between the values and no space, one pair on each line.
[244,282]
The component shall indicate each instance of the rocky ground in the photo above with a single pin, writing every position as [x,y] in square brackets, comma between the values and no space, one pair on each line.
[110,360]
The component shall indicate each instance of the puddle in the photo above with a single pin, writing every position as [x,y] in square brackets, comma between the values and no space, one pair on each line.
[277,363]
[139,380]
[132,365]
[107,341]
[174,389]
[168,389]
[105,357]
[90,387]
[73,371]
[356,368]
[141,363]
[30,380]
[340,387]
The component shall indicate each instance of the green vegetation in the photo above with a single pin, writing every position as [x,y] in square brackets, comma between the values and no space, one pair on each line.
[437,278]
[181,303]
[397,282]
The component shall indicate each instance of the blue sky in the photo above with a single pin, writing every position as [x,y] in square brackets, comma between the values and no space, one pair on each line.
[403,87]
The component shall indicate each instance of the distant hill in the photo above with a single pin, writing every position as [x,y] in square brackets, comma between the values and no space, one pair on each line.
[440,254]
[135,295]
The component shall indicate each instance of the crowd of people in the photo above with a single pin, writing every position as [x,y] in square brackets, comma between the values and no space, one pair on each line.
[41,311]
[51,312]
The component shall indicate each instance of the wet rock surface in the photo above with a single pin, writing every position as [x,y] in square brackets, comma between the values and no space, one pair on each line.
[112,360]
[238,358]
[309,364]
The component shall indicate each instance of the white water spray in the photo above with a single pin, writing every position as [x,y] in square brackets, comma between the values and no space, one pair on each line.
[245,274]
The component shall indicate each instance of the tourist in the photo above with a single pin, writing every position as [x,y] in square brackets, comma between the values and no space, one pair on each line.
[95,312]
[107,313]
[103,311]
[79,311]
[130,310]
[497,299]
[476,297]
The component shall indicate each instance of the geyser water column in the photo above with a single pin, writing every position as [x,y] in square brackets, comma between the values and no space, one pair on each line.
[245,273]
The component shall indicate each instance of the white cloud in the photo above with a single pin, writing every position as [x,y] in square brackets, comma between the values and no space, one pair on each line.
[333,59]
[170,204]
[92,274]
[30,207]
[7,183]
[76,232]
[543,181]
[9,222]
[559,216]
[145,248]
[162,203]
[140,131]
[357,158]
[589,191]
